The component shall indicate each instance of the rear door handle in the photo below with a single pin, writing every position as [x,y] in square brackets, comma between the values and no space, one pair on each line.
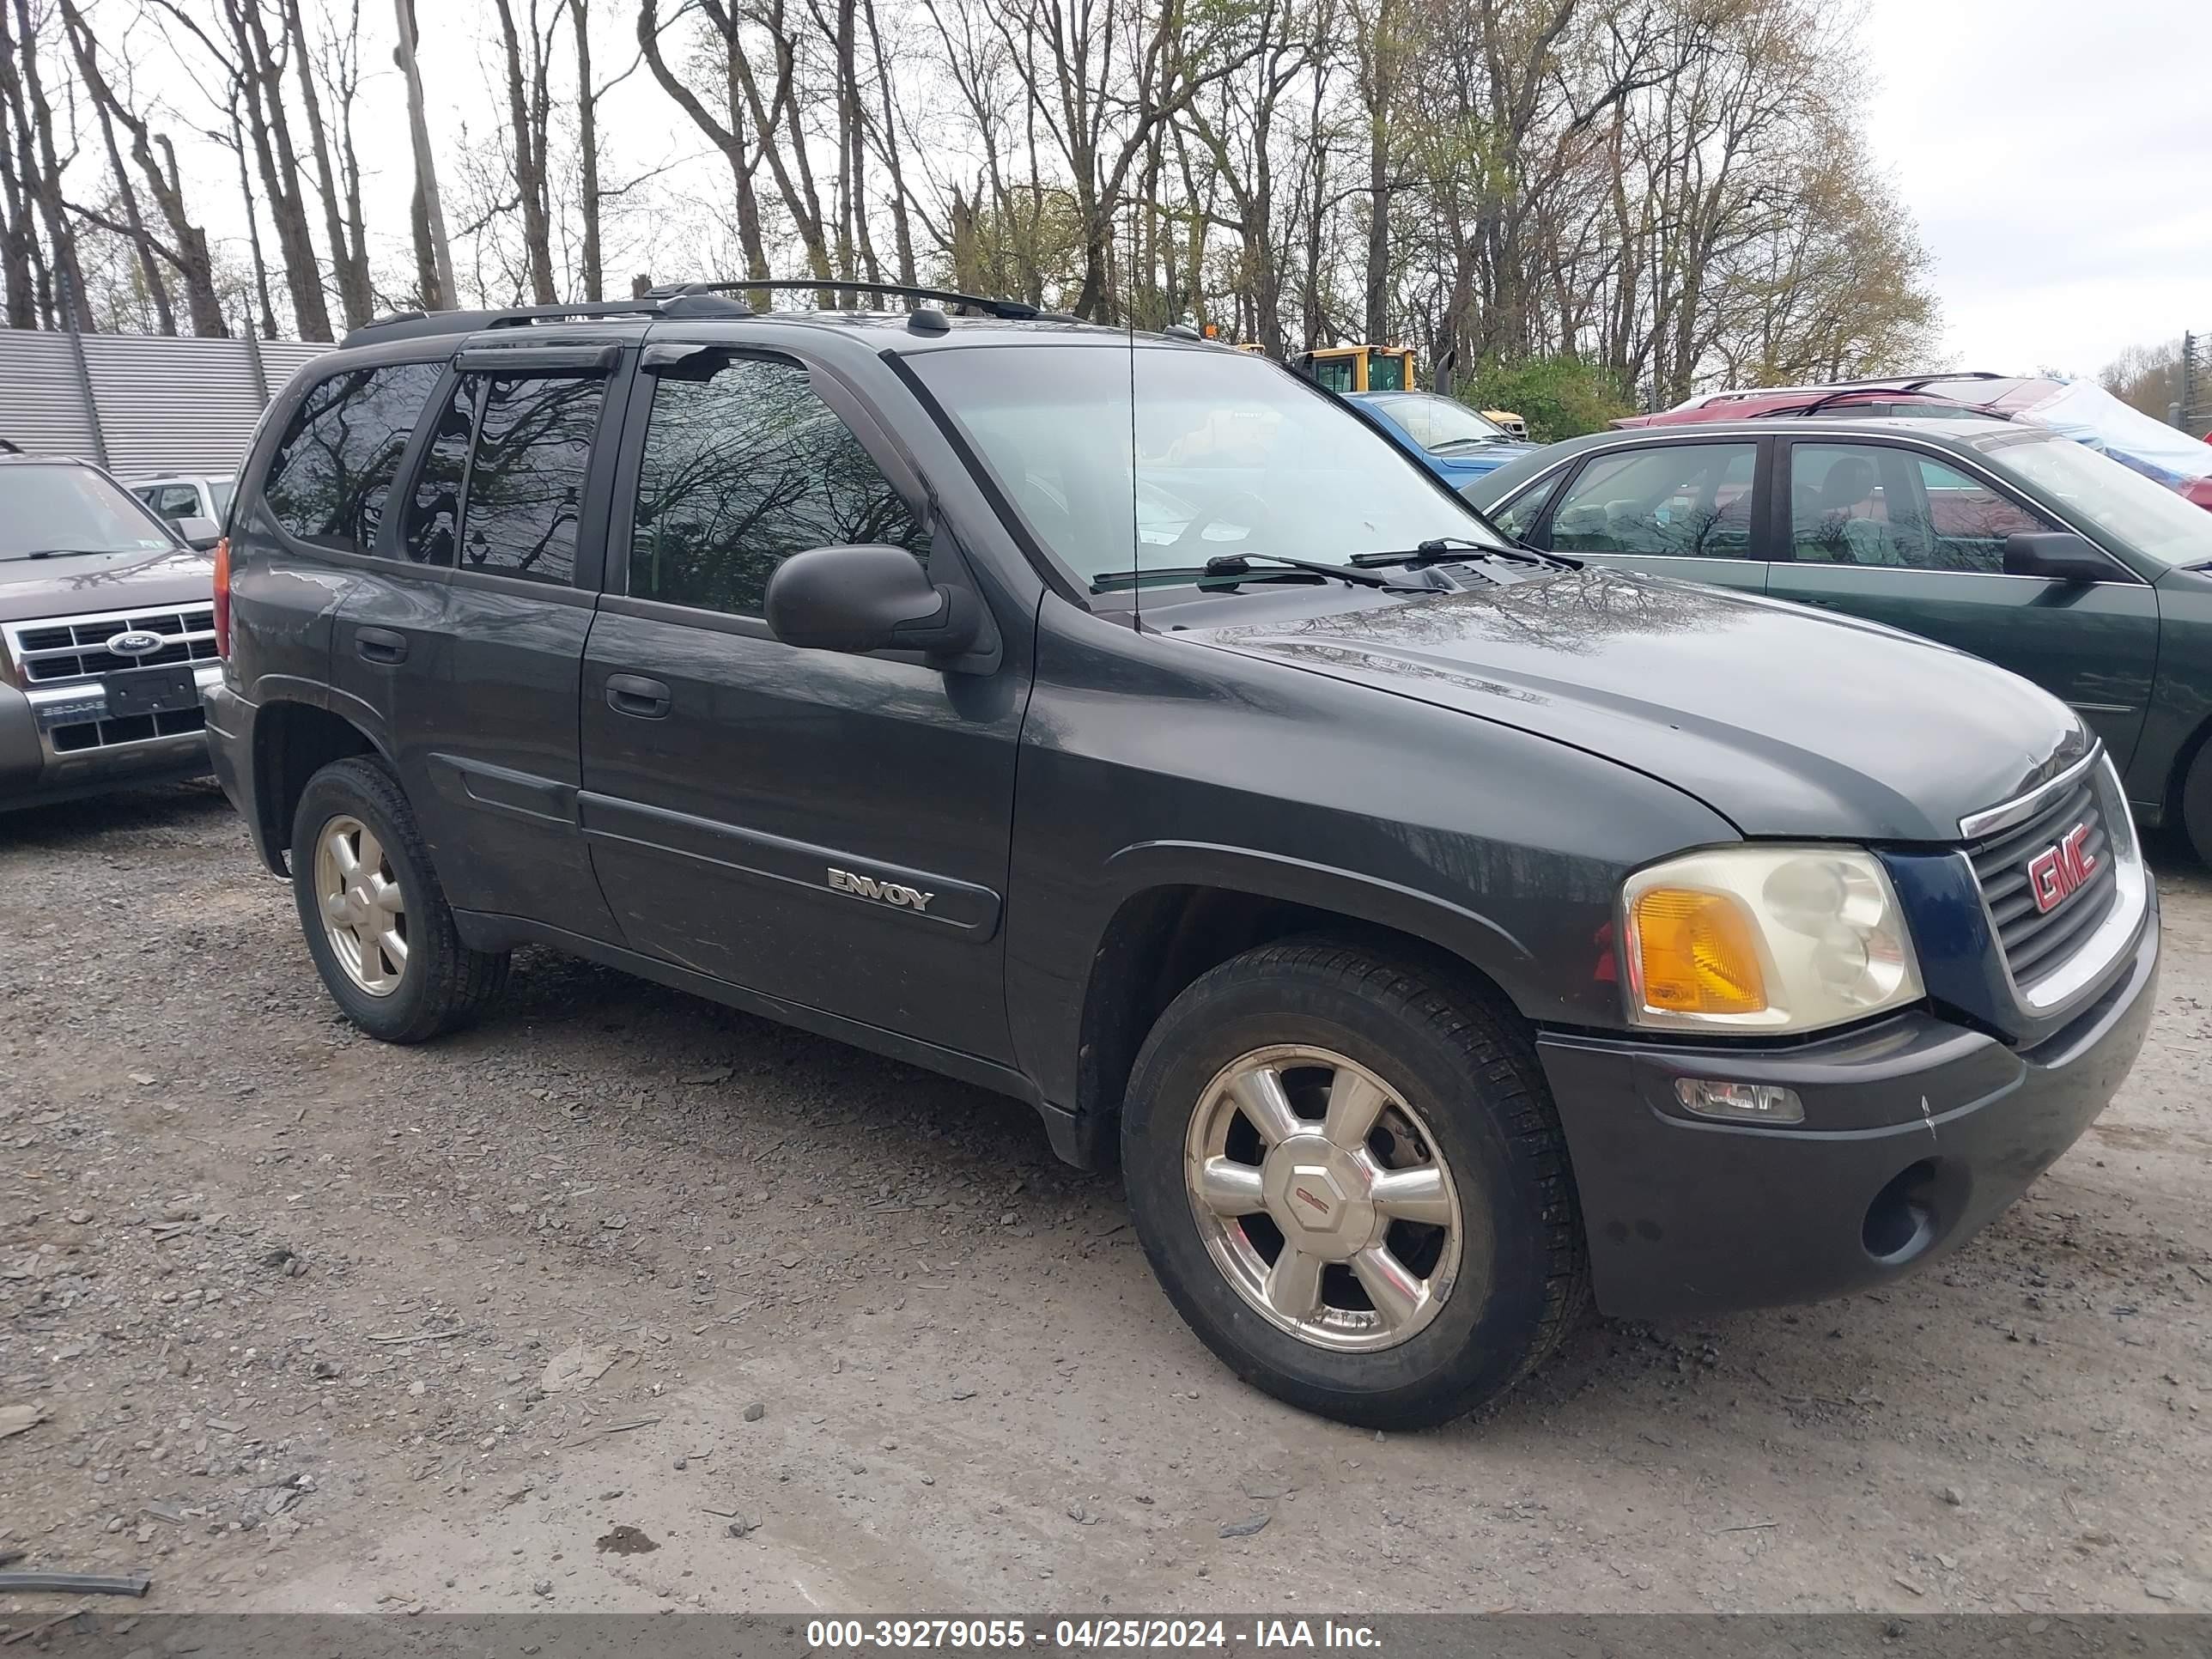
[635,695]
[380,645]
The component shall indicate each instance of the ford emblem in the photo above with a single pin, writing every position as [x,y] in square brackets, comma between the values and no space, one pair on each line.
[135,642]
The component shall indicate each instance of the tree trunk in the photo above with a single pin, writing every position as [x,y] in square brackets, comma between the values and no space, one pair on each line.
[902,225]
[141,240]
[17,287]
[253,221]
[261,75]
[354,299]
[42,172]
[729,139]
[433,253]
[529,153]
[587,142]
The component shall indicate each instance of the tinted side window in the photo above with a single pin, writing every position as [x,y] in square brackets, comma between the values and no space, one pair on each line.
[1689,500]
[434,514]
[328,479]
[742,468]
[1518,515]
[1968,522]
[1875,504]
[525,483]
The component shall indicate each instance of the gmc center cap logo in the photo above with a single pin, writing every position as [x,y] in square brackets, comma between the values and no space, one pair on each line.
[2054,874]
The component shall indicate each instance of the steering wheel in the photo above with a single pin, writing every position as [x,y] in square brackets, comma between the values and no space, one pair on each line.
[1239,507]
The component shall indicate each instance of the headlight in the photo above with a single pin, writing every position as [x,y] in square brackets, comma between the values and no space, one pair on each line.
[1765,938]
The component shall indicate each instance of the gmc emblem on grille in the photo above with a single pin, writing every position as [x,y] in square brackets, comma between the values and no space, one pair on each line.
[2055,871]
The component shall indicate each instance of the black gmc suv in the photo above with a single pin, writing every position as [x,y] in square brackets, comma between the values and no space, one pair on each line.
[1441,932]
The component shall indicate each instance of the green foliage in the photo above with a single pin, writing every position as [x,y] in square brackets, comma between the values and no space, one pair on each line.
[1558,396]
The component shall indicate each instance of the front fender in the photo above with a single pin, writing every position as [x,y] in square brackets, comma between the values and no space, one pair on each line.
[1476,939]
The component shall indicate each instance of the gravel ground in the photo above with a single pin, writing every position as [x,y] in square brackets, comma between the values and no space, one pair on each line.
[627,1301]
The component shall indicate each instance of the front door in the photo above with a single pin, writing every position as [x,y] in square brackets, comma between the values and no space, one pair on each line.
[1688,510]
[1902,535]
[829,829]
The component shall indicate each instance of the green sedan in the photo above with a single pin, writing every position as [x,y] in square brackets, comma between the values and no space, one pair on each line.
[2004,540]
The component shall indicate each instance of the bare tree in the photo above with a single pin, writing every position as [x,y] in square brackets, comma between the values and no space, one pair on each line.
[22,91]
[184,249]
[529,107]
[341,193]
[588,146]
[729,131]
[433,253]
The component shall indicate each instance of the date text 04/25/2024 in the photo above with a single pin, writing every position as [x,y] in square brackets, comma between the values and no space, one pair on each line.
[1289,1636]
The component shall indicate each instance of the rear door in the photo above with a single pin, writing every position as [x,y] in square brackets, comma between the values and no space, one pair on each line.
[321,539]
[479,657]
[1916,539]
[1689,510]
[827,828]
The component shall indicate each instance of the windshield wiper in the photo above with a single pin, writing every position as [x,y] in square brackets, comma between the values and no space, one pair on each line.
[1227,569]
[1450,549]
[64,553]
[1460,443]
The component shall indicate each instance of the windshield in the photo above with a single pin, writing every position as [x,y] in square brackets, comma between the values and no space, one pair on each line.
[1233,455]
[2122,504]
[1437,423]
[72,509]
[222,489]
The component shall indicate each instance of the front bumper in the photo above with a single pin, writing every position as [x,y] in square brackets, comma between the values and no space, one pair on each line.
[60,742]
[1917,1133]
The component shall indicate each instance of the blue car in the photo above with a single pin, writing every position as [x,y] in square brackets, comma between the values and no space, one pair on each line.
[1444,435]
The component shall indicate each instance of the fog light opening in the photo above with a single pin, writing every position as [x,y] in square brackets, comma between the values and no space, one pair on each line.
[1900,1223]
[1739,1102]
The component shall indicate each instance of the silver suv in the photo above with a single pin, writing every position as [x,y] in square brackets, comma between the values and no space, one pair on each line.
[107,635]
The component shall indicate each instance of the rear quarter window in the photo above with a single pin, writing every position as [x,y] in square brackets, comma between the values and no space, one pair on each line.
[329,478]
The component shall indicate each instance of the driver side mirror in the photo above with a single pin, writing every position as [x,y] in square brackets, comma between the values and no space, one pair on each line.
[199,534]
[869,597]
[2058,555]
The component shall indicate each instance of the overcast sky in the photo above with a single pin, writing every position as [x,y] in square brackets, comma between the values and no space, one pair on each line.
[2057,155]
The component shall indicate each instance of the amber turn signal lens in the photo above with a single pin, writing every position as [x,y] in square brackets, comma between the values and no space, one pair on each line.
[1696,953]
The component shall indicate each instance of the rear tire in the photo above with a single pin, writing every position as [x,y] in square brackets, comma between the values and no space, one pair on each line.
[1462,1183]
[376,921]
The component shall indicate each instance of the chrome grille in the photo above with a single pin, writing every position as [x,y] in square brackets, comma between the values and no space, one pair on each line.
[64,648]
[2035,941]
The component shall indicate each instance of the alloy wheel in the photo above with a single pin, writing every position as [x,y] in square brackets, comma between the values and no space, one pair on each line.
[364,912]
[1320,1196]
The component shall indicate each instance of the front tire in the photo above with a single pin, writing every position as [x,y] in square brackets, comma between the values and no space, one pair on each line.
[1347,1173]
[376,921]
[2197,803]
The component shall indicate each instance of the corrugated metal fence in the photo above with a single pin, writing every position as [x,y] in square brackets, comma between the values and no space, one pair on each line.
[145,404]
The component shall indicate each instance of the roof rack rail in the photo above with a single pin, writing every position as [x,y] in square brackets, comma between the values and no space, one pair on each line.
[1004,310]
[411,324]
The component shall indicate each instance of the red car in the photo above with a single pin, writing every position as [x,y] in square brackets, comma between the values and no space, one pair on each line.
[2080,409]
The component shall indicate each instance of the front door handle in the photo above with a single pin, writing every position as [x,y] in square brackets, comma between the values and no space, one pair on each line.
[380,645]
[636,696]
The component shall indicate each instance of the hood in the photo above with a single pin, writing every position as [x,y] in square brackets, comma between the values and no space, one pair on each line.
[1476,463]
[1785,722]
[77,583]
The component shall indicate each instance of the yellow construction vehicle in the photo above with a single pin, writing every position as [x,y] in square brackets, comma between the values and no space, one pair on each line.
[1357,367]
